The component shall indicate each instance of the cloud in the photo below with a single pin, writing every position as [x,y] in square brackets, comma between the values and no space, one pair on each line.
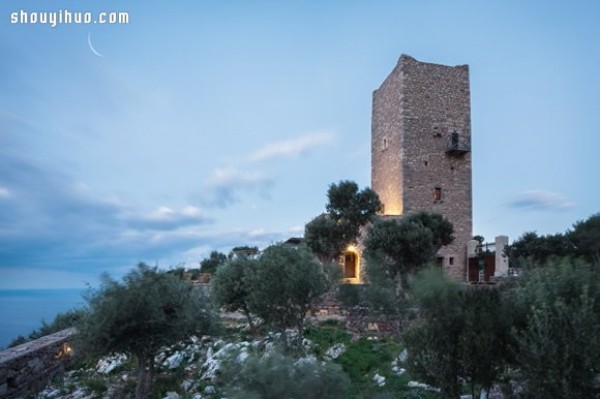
[4,192]
[226,184]
[165,218]
[534,200]
[292,148]
[51,221]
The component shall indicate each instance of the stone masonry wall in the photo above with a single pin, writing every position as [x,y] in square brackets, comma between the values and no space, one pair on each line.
[415,110]
[28,367]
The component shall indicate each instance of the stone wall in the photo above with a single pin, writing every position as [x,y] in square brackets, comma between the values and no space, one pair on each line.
[415,111]
[28,367]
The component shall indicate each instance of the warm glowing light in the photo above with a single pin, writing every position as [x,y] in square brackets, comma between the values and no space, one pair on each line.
[64,352]
[393,208]
[354,272]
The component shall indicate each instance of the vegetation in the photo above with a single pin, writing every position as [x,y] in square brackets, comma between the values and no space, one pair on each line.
[462,334]
[146,311]
[396,249]
[348,209]
[558,337]
[214,260]
[583,241]
[230,286]
[275,376]
[61,321]
[285,285]
[406,245]
[539,332]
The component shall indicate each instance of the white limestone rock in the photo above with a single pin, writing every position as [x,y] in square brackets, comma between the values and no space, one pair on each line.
[335,351]
[109,363]
[379,380]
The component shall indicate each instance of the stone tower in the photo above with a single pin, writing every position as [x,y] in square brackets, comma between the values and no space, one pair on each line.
[421,149]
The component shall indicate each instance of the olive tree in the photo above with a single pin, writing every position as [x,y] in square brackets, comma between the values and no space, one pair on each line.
[214,260]
[559,339]
[273,375]
[287,282]
[230,286]
[462,334]
[404,246]
[147,310]
[348,209]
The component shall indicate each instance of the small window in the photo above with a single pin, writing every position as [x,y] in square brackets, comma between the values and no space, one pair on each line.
[437,194]
[451,260]
[426,163]
[384,144]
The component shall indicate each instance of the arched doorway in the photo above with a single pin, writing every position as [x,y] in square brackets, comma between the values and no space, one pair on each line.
[350,262]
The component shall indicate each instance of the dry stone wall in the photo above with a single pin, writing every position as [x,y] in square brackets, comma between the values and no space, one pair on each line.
[28,367]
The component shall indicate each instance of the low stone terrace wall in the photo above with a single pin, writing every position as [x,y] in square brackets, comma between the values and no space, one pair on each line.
[28,367]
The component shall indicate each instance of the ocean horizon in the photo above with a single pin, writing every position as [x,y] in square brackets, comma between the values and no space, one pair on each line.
[23,310]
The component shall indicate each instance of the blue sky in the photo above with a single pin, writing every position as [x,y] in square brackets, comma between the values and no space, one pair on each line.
[208,124]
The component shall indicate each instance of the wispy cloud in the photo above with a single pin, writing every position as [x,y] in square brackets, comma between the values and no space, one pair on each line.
[226,184]
[294,147]
[166,218]
[543,200]
[4,192]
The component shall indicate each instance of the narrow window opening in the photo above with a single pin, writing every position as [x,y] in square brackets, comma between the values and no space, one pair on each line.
[425,163]
[451,260]
[384,144]
[437,194]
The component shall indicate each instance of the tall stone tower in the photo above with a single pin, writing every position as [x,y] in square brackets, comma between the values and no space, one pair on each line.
[421,149]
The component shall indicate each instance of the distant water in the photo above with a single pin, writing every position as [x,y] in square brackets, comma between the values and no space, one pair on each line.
[22,311]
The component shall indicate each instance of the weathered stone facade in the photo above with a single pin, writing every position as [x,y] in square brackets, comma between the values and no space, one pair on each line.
[28,367]
[420,148]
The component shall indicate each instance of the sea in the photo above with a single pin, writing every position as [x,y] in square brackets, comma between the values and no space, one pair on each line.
[22,311]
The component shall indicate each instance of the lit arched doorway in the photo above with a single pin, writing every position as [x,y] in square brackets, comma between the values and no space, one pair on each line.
[350,262]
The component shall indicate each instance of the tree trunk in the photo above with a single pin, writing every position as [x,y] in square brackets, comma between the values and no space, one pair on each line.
[250,321]
[145,376]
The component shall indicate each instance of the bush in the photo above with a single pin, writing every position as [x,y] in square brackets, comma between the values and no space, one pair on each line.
[349,295]
[462,334]
[559,339]
[285,286]
[275,376]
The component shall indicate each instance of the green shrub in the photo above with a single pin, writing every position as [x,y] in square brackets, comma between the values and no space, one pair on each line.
[275,376]
[559,342]
[62,321]
[349,294]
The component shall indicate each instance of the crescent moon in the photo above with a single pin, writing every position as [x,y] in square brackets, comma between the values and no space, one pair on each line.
[92,47]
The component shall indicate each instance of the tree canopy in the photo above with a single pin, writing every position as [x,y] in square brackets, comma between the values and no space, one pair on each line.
[405,245]
[147,310]
[230,285]
[582,240]
[285,285]
[214,260]
[348,209]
